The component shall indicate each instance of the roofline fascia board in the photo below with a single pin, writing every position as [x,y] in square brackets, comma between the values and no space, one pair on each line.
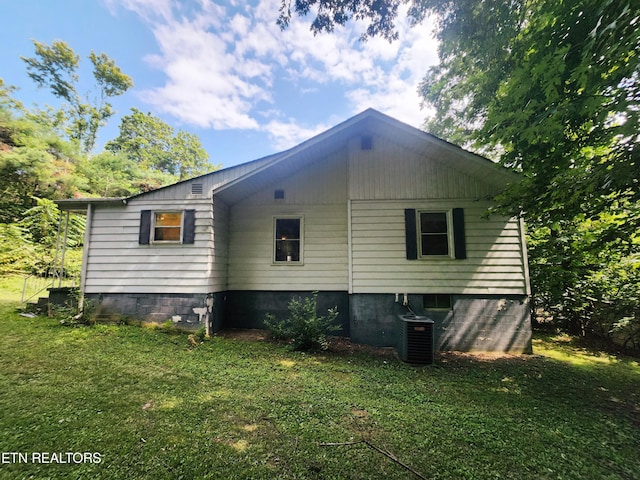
[214,172]
[475,157]
[80,204]
[372,113]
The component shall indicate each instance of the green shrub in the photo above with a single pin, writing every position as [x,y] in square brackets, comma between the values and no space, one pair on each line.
[201,334]
[303,326]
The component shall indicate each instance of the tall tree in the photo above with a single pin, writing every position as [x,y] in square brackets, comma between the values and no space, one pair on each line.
[551,89]
[56,66]
[34,161]
[154,145]
[552,85]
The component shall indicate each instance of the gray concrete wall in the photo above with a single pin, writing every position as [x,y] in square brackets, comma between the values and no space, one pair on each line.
[247,309]
[474,323]
[150,307]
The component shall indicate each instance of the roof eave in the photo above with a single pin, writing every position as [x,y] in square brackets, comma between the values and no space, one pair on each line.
[81,204]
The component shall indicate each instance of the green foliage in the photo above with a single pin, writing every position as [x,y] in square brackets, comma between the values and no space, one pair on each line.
[200,335]
[380,15]
[42,223]
[550,89]
[17,253]
[45,156]
[117,175]
[34,161]
[586,275]
[303,325]
[55,67]
[29,245]
[152,143]
[150,407]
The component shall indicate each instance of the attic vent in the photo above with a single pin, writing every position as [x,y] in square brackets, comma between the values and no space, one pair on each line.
[196,189]
[366,142]
[278,194]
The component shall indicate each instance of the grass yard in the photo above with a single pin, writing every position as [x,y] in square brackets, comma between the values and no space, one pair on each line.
[152,406]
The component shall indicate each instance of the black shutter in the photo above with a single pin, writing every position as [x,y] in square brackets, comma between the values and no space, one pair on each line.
[459,242]
[189,227]
[145,227]
[411,236]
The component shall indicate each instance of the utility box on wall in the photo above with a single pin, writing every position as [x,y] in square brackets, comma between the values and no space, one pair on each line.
[416,340]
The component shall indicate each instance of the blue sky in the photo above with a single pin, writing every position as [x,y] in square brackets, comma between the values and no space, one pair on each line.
[223,70]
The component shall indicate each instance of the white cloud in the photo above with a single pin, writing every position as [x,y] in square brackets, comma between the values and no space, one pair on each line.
[286,134]
[221,64]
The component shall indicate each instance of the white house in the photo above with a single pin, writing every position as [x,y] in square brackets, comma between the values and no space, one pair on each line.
[368,213]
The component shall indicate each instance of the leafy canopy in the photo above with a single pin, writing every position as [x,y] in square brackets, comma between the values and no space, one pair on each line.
[56,66]
[550,89]
[152,143]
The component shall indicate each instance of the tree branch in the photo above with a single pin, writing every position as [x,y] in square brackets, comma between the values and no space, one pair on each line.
[386,453]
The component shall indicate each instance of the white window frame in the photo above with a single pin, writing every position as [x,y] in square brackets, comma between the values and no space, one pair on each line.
[450,243]
[154,213]
[300,261]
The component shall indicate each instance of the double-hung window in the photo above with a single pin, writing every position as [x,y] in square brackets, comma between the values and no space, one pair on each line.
[434,234]
[288,234]
[167,227]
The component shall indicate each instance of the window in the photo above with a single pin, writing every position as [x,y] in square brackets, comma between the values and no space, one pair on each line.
[288,239]
[162,227]
[434,233]
[438,301]
[167,226]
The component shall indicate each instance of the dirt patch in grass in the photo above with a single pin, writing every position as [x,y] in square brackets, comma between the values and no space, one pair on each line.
[339,345]
[344,346]
[485,356]
[246,335]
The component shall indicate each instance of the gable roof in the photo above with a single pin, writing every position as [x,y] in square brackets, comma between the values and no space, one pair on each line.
[236,182]
[366,122]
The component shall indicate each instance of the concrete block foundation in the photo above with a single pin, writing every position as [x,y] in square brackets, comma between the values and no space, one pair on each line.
[471,323]
[489,323]
[157,308]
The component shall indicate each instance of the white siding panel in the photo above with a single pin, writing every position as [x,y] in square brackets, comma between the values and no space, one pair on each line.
[209,182]
[322,182]
[116,263]
[494,263]
[220,253]
[325,258]
[391,171]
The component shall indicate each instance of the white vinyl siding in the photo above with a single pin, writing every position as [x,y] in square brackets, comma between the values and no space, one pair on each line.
[494,263]
[184,190]
[316,194]
[391,171]
[251,265]
[220,253]
[116,263]
[352,203]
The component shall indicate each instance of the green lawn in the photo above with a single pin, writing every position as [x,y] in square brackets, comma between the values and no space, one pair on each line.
[153,406]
